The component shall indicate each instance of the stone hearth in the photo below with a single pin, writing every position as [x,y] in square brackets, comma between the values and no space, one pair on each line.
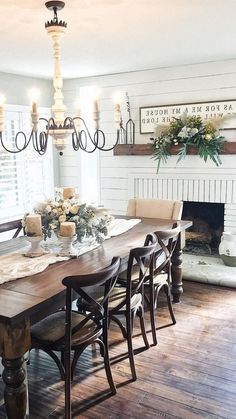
[208,269]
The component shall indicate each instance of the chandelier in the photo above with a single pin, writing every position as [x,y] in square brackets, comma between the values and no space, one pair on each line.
[60,127]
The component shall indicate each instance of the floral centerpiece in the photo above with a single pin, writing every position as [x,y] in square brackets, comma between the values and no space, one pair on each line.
[188,131]
[55,212]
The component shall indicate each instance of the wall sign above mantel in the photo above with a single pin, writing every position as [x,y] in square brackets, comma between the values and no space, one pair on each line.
[149,116]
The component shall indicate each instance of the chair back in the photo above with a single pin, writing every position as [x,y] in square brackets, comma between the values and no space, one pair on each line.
[155,208]
[11,225]
[80,285]
[142,258]
[167,239]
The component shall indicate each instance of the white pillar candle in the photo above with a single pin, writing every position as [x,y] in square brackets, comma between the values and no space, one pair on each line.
[33,225]
[68,193]
[67,229]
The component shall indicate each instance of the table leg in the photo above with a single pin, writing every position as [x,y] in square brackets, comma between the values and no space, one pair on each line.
[176,270]
[14,342]
[15,392]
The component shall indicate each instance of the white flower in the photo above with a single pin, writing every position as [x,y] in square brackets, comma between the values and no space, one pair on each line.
[48,208]
[183,133]
[55,211]
[62,218]
[194,131]
[208,137]
[52,226]
[74,209]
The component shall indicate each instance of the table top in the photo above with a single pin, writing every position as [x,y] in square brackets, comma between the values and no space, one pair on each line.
[32,296]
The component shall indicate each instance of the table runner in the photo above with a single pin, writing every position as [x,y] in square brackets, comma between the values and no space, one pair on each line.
[15,265]
[119,226]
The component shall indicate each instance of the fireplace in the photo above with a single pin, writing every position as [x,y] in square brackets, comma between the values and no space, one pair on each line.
[208,224]
[192,184]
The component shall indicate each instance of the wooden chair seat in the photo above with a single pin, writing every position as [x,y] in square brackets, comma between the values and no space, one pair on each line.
[51,330]
[158,279]
[117,297]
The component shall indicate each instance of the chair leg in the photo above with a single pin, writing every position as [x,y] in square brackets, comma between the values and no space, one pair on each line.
[63,358]
[57,361]
[77,354]
[142,325]
[152,315]
[130,345]
[121,326]
[104,349]
[167,292]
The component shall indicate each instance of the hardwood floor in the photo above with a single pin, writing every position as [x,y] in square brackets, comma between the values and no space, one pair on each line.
[191,373]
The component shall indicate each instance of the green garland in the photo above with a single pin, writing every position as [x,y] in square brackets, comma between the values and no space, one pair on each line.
[188,131]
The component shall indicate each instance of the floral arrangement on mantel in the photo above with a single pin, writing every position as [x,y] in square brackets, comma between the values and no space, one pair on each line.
[66,216]
[188,131]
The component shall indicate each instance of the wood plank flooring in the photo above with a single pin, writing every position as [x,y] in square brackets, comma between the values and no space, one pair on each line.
[190,374]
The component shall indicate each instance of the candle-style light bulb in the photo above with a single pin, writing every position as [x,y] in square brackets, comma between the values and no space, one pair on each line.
[34,94]
[2,101]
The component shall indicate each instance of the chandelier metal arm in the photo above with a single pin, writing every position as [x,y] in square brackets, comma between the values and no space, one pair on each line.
[80,138]
[17,149]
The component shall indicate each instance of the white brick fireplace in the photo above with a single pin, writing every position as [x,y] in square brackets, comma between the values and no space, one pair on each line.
[213,185]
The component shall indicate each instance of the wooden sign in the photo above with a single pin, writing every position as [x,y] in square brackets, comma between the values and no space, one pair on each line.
[150,116]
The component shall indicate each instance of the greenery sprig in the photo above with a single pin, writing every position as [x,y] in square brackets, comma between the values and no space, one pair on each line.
[188,131]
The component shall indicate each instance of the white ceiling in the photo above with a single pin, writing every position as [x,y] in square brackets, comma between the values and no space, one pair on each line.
[110,36]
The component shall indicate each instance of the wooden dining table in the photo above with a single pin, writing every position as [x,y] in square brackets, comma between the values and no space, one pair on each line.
[25,301]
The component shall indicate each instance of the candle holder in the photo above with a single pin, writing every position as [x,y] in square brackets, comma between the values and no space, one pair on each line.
[66,244]
[35,244]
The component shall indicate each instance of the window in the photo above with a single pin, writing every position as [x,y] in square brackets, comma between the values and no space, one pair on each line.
[25,178]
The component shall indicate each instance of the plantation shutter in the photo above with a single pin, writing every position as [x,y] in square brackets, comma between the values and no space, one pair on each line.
[25,178]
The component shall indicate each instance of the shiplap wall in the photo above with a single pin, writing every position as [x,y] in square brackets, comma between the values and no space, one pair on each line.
[191,83]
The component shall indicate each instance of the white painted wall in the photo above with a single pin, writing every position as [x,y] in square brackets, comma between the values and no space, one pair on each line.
[192,83]
[15,88]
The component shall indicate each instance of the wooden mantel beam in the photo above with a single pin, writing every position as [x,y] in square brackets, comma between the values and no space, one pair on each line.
[145,149]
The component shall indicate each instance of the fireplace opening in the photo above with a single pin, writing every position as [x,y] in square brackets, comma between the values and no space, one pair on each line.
[208,224]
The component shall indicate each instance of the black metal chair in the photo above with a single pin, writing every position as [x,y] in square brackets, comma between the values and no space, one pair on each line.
[160,273]
[69,330]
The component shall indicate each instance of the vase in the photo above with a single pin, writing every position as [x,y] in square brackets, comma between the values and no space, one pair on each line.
[51,244]
[227,249]
[85,241]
